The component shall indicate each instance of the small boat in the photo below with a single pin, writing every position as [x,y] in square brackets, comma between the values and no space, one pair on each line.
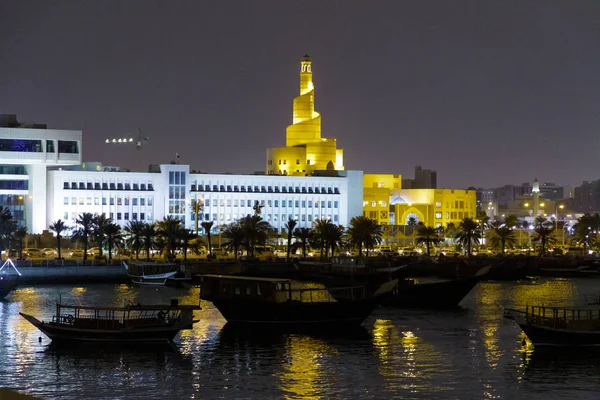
[558,326]
[131,323]
[152,274]
[432,293]
[285,302]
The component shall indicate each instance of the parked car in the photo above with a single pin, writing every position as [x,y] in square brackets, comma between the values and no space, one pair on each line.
[94,251]
[33,253]
[77,253]
[49,253]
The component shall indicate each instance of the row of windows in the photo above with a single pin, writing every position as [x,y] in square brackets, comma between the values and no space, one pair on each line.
[268,217]
[35,146]
[271,203]
[12,170]
[382,203]
[120,216]
[14,185]
[108,186]
[270,162]
[176,178]
[456,204]
[264,189]
[142,201]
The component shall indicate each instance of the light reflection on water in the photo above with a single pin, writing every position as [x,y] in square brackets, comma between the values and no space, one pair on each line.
[469,353]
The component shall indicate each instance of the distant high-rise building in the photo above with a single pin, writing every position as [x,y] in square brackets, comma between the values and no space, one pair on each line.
[586,197]
[424,179]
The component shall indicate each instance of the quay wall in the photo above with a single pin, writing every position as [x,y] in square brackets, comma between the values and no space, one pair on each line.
[74,274]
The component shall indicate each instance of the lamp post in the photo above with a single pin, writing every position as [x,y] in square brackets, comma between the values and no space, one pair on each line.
[556,222]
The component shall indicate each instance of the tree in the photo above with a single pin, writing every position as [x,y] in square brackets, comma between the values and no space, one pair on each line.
[85,231]
[133,236]
[303,237]
[450,231]
[503,236]
[7,227]
[58,227]
[334,235]
[320,227]
[427,235]
[234,238]
[255,232]
[100,224]
[289,226]
[112,236]
[511,221]
[207,226]
[148,238]
[468,233]
[364,232]
[169,229]
[257,208]
[186,236]
[19,236]
[543,235]
[412,222]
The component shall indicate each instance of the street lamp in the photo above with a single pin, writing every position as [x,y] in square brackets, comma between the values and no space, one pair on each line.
[556,222]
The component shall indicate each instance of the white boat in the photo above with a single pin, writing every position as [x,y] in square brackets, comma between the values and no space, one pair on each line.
[150,274]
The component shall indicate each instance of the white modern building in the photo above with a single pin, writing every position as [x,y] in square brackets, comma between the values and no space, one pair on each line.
[223,198]
[26,153]
[43,179]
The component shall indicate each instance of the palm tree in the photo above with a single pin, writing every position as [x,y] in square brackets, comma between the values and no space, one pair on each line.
[543,234]
[112,236]
[234,238]
[365,232]
[58,227]
[7,227]
[257,208]
[303,237]
[468,233]
[186,237]
[450,231]
[100,223]
[207,226]
[148,238]
[319,228]
[334,235]
[133,236]
[255,232]
[511,221]
[503,236]
[169,229]
[85,231]
[412,222]
[289,226]
[19,236]
[427,235]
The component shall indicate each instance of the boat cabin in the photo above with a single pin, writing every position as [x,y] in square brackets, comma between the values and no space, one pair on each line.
[226,287]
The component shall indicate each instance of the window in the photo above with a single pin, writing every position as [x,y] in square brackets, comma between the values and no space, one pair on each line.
[276,203]
[303,203]
[323,204]
[228,202]
[134,216]
[297,203]
[96,201]
[329,204]
[134,201]
[438,215]
[89,201]
[462,204]
[66,201]
[438,204]
[67,146]
[119,201]
[214,202]
[142,201]
[126,216]
[373,204]
[235,202]
[335,204]
[289,203]
[335,218]
[81,201]
[249,203]
[21,145]
[297,161]
[383,203]
[112,201]
[49,146]
[66,216]
[141,216]
[118,216]
[104,201]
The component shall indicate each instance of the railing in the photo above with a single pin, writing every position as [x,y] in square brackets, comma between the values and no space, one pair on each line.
[559,318]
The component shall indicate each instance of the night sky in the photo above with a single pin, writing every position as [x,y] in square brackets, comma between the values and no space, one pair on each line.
[486,92]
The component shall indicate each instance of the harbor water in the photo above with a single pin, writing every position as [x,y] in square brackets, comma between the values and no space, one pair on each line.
[470,353]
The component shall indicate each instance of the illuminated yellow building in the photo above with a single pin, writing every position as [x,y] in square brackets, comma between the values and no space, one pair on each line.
[433,207]
[305,151]
[377,192]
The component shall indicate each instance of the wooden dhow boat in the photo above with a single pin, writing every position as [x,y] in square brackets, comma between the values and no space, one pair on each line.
[284,302]
[558,326]
[131,323]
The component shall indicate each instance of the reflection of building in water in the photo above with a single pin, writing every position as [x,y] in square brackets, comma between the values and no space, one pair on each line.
[302,366]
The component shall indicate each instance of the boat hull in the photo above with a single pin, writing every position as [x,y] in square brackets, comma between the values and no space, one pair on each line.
[437,295]
[330,314]
[65,334]
[542,336]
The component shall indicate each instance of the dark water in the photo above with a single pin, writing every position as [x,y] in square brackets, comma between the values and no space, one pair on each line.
[472,353]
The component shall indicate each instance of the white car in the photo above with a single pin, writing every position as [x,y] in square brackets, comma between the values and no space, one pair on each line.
[48,252]
[33,253]
[77,253]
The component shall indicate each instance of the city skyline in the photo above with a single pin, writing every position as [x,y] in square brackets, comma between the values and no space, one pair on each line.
[487,94]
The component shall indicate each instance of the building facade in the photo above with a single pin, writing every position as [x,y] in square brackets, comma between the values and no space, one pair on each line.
[222,198]
[26,153]
[305,150]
